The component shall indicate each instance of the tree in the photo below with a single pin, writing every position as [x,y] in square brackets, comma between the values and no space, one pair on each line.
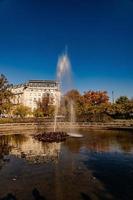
[45,107]
[122,108]
[92,105]
[69,104]
[80,108]
[122,100]
[96,97]
[73,95]
[21,111]
[5,95]
[38,113]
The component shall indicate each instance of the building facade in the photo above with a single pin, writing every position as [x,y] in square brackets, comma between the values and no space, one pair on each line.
[33,91]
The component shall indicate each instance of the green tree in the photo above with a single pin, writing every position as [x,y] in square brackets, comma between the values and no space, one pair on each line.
[122,100]
[122,108]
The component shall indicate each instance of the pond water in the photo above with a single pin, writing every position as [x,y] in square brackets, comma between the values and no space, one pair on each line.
[96,166]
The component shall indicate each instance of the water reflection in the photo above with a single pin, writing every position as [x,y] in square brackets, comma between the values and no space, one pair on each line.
[4,150]
[103,141]
[98,166]
[26,147]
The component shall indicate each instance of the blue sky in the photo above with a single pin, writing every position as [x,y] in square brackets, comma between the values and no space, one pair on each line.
[98,33]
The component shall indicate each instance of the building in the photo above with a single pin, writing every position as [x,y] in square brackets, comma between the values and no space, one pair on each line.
[31,92]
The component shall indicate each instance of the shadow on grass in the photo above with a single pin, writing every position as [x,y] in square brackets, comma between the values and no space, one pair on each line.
[9,197]
[85,196]
[35,193]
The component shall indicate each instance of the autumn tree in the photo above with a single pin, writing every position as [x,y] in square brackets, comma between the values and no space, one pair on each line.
[21,111]
[5,95]
[73,95]
[94,104]
[69,103]
[96,97]
[45,107]
[89,106]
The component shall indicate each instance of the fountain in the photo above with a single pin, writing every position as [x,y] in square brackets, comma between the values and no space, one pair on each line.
[64,77]
[65,81]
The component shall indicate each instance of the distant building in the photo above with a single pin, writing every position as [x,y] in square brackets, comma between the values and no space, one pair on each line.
[31,92]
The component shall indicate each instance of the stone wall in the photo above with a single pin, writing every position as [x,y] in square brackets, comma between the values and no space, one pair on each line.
[49,125]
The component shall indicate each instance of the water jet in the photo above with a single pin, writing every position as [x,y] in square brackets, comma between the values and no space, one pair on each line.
[63,76]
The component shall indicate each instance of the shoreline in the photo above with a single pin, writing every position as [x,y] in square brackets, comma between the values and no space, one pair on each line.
[66,125]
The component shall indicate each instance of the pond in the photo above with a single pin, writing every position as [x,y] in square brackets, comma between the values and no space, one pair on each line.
[96,166]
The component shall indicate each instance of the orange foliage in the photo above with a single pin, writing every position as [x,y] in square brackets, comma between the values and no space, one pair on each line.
[96,97]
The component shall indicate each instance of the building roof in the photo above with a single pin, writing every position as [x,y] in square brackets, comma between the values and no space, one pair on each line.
[35,83]
[42,81]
